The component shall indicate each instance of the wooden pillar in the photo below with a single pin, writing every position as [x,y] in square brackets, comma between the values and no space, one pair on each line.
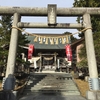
[40,69]
[35,64]
[55,60]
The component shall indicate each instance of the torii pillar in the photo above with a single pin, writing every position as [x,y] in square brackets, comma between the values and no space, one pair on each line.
[9,79]
[93,73]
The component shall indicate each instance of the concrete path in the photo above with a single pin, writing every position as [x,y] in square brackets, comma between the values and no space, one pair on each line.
[51,97]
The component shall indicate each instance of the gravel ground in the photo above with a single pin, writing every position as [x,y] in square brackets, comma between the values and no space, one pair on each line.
[83,86]
[0,86]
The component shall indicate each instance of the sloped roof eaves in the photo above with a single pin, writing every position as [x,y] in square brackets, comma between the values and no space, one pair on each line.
[78,42]
[37,45]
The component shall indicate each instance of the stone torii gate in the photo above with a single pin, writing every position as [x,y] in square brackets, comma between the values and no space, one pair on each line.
[52,12]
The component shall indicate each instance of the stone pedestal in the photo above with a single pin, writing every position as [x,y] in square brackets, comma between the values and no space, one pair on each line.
[93,95]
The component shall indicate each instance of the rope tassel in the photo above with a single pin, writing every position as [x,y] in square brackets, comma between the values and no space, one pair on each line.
[52,41]
[56,41]
[63,41]
[46,42]
[66,39]
[69,39]
[41,40]
[36,39]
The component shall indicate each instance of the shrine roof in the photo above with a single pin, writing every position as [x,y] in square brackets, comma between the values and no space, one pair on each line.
[38,45]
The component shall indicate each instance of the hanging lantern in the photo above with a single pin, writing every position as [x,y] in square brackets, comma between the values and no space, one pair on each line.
[30,51]
[68,52]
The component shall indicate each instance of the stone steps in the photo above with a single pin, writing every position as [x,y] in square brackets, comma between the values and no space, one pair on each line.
[52,83]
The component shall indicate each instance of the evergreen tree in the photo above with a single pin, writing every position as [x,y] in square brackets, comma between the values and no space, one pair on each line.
[95,21]
[5,35]
[73,39]
[5,31]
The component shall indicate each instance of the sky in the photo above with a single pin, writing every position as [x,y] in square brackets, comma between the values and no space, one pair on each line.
[43,3]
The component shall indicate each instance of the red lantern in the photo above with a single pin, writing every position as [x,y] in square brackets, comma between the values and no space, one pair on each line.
[68,52]
[30,51]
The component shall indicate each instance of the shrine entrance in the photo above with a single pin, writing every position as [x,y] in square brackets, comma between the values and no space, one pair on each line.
[52,12]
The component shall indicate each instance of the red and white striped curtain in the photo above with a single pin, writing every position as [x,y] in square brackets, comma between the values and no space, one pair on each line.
[30,51]
[68,52]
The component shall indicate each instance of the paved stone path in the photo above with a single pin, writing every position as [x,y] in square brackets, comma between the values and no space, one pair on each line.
[51,86]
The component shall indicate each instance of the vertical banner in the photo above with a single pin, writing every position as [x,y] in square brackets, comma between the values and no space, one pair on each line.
[68,52]
[30,51]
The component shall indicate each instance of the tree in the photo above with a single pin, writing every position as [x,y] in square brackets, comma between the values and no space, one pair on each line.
[95,21]
[73,39]
[5,25]
[22,41]
[5,34]
[97,46]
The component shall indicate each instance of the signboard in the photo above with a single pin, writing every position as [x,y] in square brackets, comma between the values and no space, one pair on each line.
[51,14]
